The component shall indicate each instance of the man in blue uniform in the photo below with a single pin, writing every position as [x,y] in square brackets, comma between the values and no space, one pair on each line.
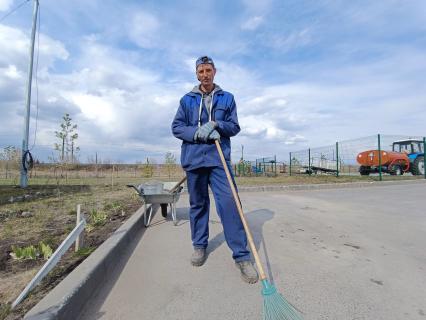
[205,114]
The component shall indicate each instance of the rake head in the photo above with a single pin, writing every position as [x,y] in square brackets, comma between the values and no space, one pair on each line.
[275,306]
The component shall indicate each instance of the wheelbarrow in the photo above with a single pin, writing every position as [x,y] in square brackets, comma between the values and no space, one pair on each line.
[163,194]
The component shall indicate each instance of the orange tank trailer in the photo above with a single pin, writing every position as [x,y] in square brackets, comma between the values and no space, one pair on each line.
[395,163]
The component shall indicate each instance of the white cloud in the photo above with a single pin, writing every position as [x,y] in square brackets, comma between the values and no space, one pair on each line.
[290,41]
[5,4]
[14,61]
[253,23]
[95,108]
[260,126]
[143,28]
[11,72]
[258,6]
[15,49]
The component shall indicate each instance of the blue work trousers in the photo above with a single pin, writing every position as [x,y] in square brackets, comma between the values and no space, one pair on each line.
[198,181]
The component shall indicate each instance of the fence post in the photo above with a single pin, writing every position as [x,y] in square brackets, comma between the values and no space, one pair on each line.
[380,158]
[424,153]
[79,242]
[337,159]
[275,164]
[309,161]
[289,169]
[112,177]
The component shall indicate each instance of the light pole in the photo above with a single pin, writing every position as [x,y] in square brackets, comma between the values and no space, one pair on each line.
[24,170]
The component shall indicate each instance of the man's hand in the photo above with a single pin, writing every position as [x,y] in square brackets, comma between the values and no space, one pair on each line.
[203,132]
[214,135]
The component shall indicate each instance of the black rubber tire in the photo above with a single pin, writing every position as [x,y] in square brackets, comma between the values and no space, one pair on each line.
[364,171]
[396,170]
[418,167]
[164,210]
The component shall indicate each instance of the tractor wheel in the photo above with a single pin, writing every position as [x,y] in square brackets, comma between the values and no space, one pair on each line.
[418,167]
[164,210]
[364,171]
[396,170]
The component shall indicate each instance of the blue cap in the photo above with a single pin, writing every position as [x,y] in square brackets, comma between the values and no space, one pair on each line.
[204,60]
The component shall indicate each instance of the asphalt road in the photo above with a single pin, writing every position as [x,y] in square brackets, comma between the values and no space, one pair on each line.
[334,254]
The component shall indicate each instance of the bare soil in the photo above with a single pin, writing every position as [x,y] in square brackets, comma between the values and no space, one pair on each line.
[51,217]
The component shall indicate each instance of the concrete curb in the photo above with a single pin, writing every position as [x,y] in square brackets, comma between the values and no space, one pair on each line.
[67,299]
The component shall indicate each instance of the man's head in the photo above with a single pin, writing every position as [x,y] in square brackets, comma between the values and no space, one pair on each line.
[205,71]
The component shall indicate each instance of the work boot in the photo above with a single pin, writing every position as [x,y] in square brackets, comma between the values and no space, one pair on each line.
[198,257]
[248,272]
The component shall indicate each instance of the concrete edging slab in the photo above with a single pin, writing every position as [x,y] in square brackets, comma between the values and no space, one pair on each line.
[67,299]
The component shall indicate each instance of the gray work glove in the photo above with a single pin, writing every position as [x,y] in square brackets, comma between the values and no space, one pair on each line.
[203,132]
[214,135]
[196,139]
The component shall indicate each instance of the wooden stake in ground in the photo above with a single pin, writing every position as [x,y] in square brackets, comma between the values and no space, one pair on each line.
[79,242]
[112,177]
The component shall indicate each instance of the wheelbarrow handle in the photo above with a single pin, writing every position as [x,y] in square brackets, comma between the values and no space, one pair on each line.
[136,188]
[176,187]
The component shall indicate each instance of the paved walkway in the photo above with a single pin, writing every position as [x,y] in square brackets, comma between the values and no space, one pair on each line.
[335,254]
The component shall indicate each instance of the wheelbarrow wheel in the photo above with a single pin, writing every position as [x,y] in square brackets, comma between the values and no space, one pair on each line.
[164,210]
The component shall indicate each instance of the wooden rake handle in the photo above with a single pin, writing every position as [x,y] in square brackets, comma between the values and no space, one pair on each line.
[240,211]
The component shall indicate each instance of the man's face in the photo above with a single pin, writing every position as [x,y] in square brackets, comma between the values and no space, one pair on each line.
[205,74]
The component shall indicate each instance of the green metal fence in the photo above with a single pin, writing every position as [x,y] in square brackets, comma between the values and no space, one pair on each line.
[266,166]
[378,155]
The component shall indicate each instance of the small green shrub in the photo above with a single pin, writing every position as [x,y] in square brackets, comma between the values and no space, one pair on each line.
[31,252]
[116,207]
[85,251]
[97,217]
[45,250]
[25,253]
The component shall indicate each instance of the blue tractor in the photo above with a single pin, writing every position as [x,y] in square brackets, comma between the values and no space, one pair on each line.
[414,150]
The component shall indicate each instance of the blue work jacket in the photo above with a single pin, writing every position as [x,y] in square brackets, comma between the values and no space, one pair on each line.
[224,112]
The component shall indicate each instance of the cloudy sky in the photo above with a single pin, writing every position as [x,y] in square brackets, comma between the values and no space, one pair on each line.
[304,73]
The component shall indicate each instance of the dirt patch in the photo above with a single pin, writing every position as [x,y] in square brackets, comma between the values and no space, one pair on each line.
[11,194]
[352,245]
[50,220]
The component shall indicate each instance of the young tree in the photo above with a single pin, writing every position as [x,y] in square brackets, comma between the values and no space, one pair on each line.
[74,149]
[170,161]
[148,168]
[10,153]
[10,157]
[67,137]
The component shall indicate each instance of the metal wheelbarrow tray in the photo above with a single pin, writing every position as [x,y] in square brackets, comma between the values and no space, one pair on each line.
[164,199]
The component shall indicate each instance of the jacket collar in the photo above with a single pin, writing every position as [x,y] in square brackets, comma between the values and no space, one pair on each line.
[217,91]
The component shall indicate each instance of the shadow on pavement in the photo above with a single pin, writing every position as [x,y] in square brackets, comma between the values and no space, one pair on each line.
[256,219]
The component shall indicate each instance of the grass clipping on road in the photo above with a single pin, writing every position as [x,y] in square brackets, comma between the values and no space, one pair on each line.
[29,228]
